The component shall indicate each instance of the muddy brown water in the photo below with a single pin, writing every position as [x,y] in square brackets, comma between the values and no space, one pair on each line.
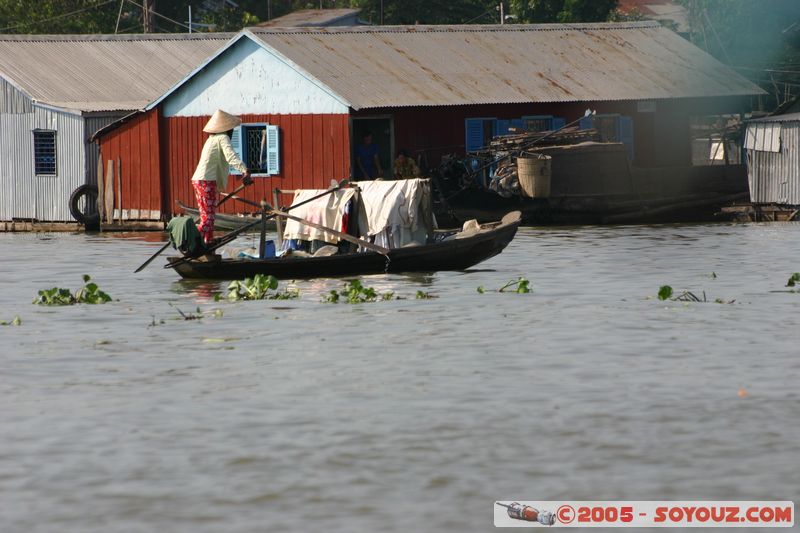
[408,415]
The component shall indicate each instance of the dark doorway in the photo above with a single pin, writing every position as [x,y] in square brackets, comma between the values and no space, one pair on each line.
[382,130]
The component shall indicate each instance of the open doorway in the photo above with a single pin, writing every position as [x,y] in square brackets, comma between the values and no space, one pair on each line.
[382,130]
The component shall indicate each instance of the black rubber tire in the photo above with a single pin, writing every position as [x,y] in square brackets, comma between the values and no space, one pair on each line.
[90,191]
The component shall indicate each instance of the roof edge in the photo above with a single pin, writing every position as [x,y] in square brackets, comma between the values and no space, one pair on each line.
[431,28]
[67,37]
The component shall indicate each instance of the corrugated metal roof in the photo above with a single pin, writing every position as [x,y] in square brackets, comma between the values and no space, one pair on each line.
[102,72]
[311,17]
[789,117]
[388,66]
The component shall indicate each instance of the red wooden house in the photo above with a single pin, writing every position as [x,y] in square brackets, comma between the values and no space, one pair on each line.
[430,90]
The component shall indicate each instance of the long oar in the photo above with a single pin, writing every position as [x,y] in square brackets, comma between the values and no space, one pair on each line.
[160,250]
[228,237]
[344,236]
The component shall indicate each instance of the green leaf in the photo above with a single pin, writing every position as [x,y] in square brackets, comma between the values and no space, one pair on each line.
[481,290]
[665,292]
[793,279]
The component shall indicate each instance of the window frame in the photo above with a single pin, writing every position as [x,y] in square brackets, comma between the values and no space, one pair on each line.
[272,132]
[37,156]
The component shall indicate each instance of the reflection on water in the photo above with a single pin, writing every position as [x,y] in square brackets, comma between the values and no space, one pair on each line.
[303,416]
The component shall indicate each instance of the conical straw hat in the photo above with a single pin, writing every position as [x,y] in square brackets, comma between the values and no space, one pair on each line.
[221,122]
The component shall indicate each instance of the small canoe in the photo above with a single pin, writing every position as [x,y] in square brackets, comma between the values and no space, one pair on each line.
[457,251]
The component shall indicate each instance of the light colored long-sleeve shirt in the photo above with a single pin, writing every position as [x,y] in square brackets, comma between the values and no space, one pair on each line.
[216,158]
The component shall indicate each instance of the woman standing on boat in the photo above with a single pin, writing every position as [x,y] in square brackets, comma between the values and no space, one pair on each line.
[213,168]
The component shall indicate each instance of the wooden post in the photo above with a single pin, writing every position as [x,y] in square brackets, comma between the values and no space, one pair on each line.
[109,199]
[262,247]
[278,221]
[101,186]
[119,188]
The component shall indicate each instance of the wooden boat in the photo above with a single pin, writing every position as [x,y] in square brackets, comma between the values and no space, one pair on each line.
[457,251]
[222,221]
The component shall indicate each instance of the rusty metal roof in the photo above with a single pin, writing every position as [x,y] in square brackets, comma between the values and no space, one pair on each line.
[390,66]
[93,73]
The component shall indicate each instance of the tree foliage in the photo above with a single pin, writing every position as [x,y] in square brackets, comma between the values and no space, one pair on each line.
[543,11]
[126,16]
[762,43]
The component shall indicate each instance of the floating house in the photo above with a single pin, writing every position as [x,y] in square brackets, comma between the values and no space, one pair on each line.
[56,91]
[307,95]
[772,146]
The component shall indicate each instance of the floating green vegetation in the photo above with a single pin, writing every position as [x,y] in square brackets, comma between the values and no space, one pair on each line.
[17,321]
[356,293]
[421,295]
[665,292]
[794,279]
[88,294]
[196,315]
[259,287]
[519,285]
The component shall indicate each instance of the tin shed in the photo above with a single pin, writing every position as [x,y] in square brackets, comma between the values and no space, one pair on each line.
[55,91]
[772,145]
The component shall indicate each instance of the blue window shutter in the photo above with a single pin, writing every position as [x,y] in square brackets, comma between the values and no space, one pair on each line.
[474,138]
[558,122]
[236,142]
[501,126]
[587,123]
[518,123]
[626,134]
[273,150]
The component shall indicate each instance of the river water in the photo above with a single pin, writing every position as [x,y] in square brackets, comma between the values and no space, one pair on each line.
[406,415]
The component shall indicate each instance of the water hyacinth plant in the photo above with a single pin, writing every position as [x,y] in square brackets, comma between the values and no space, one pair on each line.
[665,292]
[259,287]
[519,285]
[355,293]
[90,293]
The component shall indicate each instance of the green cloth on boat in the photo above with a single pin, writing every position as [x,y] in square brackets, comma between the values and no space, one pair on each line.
[184,235]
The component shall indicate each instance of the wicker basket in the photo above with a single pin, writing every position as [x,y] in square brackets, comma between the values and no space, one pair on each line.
[533,171]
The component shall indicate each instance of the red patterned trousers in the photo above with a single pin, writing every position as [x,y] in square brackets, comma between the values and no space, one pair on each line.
[206,194]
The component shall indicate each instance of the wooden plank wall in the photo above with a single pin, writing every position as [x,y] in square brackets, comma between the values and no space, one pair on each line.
[313,148]
[136,145]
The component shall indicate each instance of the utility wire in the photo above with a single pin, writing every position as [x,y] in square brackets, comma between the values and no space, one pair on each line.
[470,21]
[57,16]
[160,15]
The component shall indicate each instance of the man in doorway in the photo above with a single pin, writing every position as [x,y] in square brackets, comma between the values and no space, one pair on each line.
[368,163]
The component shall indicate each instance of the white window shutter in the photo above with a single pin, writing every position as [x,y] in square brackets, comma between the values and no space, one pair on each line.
[273,150]
[236,142]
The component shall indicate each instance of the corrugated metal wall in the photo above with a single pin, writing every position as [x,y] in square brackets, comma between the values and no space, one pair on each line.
[12,100]
[92,150]
[136,144]
[775,176]
[16,166]
[314,150]
[52,192]
[27,195]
